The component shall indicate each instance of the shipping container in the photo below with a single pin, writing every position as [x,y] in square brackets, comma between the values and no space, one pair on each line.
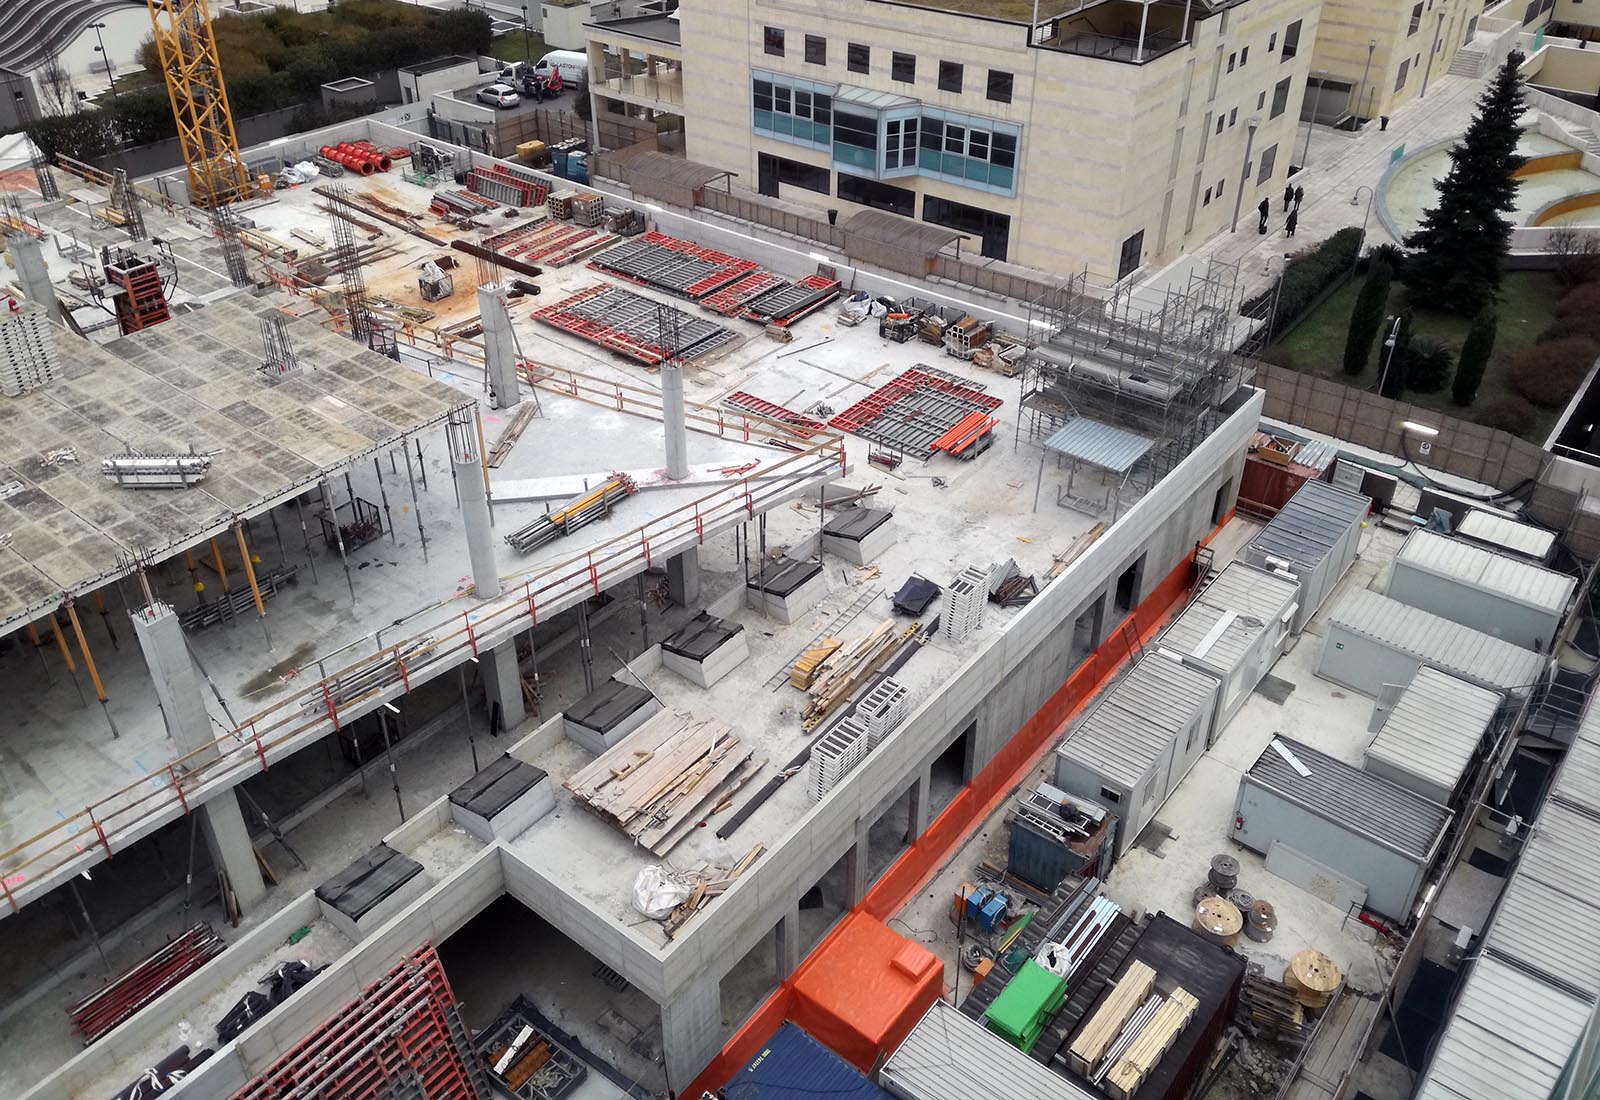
[793,1066]
[949,1057]
[1315,537]
[1428,740]
[1510,598]
[1364,829]
[1502,533]
[1138,741]
[1234,629]
[1374,640]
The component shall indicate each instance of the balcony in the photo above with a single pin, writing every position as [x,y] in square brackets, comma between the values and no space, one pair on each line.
[1128,31]
[661,91]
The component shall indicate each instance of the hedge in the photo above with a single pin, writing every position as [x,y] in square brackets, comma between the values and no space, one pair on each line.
[1306,277]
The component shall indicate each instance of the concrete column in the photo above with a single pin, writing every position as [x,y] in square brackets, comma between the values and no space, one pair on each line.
[856,866]
[691,1030]
[673,421]
[499,346]
[463,436]
[178,690]
[683,577]
[27,255]
[921,793]
[788,937]
[502,683]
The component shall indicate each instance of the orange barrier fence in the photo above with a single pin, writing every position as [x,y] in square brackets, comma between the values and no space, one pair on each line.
[929,853]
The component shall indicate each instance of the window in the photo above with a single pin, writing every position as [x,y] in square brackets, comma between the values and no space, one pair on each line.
[1416,19]
[1272,42]
[1232,57]
[781,102]
[1208,198]
[949,76]
[858,58]
[999,86]
[1110,795]
[816,50]
[1261,100]
[1003,151]
[1269,160]
[1233,117]
[858,130]
[882,196]
[1131,250]
[1280,96]
[1405,67]
[955,139]
[978,144]
[903,67]
[772,40]
[1220,184]
[1244,56]
[792,109]
[1222,120]
[793,172]
[993,229]
[1291,41]
[900,144]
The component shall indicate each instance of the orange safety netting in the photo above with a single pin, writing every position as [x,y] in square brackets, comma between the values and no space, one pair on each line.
[861,990]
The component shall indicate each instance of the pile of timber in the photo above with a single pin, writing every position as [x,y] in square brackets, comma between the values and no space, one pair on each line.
[847,668]
[1271,1007]
[1152,1044]
[710,886]
[1089,1046]
[809,664]
[655,783]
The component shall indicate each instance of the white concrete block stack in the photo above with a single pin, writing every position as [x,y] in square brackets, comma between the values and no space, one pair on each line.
[28,356]
[840,749]
[882,709]
[964,601]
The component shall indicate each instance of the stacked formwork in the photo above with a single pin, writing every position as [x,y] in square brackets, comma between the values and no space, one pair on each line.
[28,357]
[676,266]
[403,1036]
[839,750]
[141,296]
[634,325]
[882,709]
[964,600]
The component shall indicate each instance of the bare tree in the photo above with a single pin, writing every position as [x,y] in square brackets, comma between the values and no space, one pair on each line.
[1577,254]
[60,92]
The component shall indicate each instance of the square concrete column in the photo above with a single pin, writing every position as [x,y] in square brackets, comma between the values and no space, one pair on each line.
[683,577]
[921,791]
[787,934]
[499,346]
[178,690]
[502,683]
[857,867]
[691,1029]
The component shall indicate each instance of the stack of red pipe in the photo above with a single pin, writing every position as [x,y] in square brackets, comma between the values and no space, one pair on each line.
[111,1004]
[358,159]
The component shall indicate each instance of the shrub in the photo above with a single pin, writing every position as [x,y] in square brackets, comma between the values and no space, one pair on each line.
[1509,414]
[1366,318]
[1305,277]
[1571,326]
[1474,358]
[1548,374]
[1391,254]
[1576,252]
[1429,363]
[1581,303]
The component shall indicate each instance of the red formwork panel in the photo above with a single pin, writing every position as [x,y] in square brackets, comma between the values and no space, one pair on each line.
[870,407]
[560,315]
[731,298]
[403,1027]
[804,426]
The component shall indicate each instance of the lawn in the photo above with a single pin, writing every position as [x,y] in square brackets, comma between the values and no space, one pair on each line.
[519,46]
[1527,305]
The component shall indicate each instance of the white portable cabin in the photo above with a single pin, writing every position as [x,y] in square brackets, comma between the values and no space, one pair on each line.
[1510,536]
[1315,537]
[1510,598]
[1427,742]
[1235,629]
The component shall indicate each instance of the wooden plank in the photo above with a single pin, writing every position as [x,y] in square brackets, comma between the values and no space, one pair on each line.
[1095,1037]
[1153,1042]
[660,839]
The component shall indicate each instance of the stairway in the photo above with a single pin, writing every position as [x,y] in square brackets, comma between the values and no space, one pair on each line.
[1468,61]
[1587,137]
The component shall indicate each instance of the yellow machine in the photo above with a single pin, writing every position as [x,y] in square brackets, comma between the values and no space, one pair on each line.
[188,52]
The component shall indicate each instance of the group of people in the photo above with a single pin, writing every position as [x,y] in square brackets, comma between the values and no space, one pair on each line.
[1293,196]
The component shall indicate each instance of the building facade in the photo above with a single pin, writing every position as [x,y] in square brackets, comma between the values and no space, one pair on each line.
[1371,56]
[1121,134]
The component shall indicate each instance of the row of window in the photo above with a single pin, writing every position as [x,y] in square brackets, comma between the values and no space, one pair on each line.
[902,66]
[795,109]
[1269,160]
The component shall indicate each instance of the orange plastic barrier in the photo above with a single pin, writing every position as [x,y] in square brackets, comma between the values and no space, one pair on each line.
[828,991]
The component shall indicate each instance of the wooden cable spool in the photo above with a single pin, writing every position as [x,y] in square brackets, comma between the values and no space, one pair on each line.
[1313,977]
[1218,920]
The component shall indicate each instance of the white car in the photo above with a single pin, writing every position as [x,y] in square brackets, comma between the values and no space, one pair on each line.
[499,95]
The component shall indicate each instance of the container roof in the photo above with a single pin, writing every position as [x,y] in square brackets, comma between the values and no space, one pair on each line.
[1312,523]
[1247,597]
[1134,723]
[1435,727]
[1360,802]
[1437,641]
[948,1055]
[1099,445]
[794,1066]
[1578,781]
[1523,538]
[1511,579]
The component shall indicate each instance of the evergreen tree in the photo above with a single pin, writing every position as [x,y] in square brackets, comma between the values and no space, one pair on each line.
[1460,247]
[1366,318]
[1474,358]
[1392,359]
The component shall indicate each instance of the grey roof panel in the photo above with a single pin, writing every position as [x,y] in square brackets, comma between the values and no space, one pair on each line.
[1578,781]
[1433,640]
[1435,727]
[1546,929]
[1311,524]
[1253,596]
[1522,538]
[1099,444]
[1361,802]
[950,1057]
[1562,851]
[1508,578]
[1133,723]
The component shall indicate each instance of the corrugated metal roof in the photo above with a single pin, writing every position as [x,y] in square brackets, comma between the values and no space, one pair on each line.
[1435,727]
[1132,725]
[1509,578]
[1311,524]
[1437,641]
[1562,851]
[1578,781]
[1253,596]
[1098,444]
[1510,1037]
[793,1066]
[1549,930]
[1533,542]
[1363,803]
[949,1057]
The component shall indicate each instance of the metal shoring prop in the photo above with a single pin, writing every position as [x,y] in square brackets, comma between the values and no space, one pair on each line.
[305,533]
[250,576]
[416,507]
[89,666]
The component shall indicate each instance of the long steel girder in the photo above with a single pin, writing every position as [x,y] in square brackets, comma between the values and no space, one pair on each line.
[188,52]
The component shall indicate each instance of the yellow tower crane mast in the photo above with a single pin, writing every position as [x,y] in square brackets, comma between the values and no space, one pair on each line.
[188,52]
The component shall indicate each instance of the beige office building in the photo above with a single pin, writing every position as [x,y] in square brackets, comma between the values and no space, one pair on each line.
[1120,136]
[1373,55]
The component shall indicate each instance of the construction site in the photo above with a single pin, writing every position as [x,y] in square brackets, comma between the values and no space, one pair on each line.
[467,634]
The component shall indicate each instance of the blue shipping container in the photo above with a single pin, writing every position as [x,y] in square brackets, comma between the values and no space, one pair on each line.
[794,1066]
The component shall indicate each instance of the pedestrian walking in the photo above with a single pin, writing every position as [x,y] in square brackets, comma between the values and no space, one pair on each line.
[1265,210]
[1299,197]
[1288,226]
[1288,196]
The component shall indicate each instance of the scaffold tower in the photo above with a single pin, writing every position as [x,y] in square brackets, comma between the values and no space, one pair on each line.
[188,52]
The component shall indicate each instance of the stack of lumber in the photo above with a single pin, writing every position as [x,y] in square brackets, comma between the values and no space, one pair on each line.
[654,783]
[1095,1037]
[1271,1006]
[809,665]
[847,668]
[710,886]
[1153,1042]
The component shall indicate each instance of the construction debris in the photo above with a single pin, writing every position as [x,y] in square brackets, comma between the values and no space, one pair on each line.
[576,513]
[848,667]
[97,1014]
[653,783]
[809,665]
[1270,1007]
[710,886]
[512,432]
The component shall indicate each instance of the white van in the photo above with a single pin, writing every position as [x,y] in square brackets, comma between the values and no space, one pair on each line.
[572,65]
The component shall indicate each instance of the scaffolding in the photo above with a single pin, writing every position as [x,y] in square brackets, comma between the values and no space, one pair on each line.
[1162,365]
[226,228]
[347,261]
[125,200]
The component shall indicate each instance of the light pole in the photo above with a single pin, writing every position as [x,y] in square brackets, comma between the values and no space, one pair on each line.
[1316,105]
[101,50]
[1355,200]
[1428,70]
[1244,172]
[527,48]
[1372,44]
[1389,341]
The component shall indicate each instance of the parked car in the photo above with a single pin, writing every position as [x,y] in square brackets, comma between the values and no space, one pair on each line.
[499,95]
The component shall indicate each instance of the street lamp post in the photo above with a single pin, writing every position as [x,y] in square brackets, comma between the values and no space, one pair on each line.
[1311,124]
[1355,200]
[1244,172]
[1428,71]
[101,50]
[527,47]
[1389,341]
[1372,44]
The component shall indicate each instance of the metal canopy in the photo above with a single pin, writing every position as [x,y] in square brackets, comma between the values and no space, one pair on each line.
[676,170]
[1098,445]
[850,95]
[882,227]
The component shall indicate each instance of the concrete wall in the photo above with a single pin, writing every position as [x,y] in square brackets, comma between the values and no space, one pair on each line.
[1349,26]
[1581,13]
[420,87]
[1569,68]
[561,24]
